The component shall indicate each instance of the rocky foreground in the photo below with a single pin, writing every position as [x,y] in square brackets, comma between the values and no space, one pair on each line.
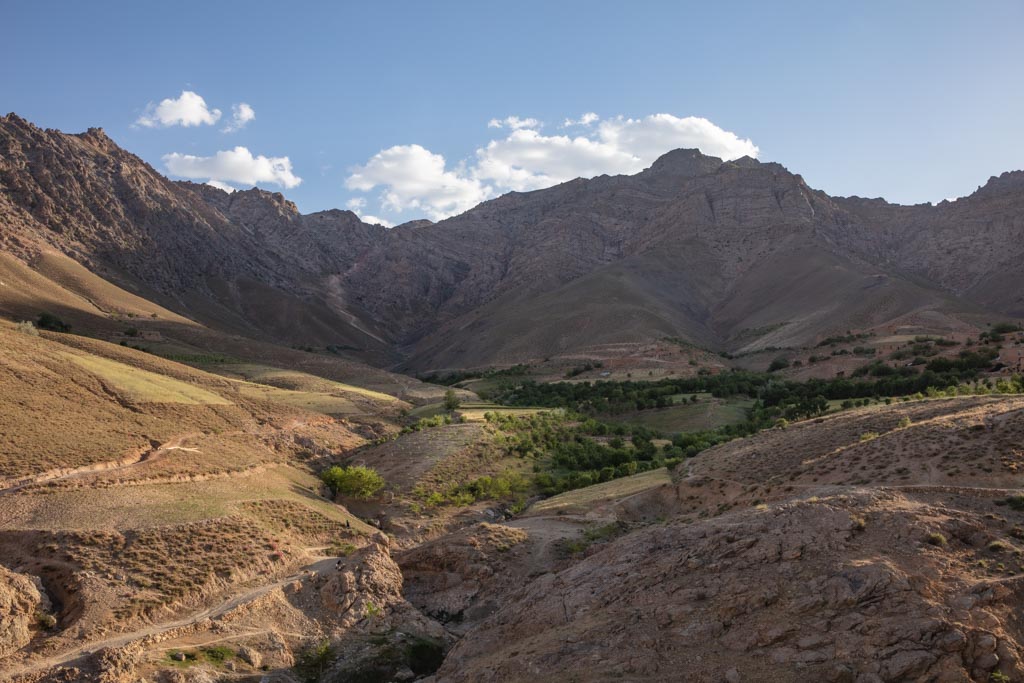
[706,577]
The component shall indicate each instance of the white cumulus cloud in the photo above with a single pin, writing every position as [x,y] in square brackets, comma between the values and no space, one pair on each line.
[236,165]
[585,120]
[414,179]
[221,186]
[241,114]
[373,220]
[513,122]
[188,110]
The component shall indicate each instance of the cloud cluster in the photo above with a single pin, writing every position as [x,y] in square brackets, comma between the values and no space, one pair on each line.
[188,110]
[416,179]
[236,165]
[412,178]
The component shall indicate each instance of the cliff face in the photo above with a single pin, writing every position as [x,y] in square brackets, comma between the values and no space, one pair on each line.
[692,247]
[971,247]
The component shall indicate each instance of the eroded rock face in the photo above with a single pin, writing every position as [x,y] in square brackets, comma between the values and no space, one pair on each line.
[444,578]
[838,589]
[19,602]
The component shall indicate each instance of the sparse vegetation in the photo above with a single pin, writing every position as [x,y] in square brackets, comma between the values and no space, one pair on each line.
[438,420]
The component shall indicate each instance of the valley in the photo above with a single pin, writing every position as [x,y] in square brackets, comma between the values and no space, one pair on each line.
[702,423]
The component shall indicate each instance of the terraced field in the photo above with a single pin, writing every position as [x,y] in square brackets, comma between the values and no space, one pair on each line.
[707,413]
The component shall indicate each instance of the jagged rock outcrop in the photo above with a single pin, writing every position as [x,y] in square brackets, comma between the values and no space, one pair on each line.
[20,601]
[367,583]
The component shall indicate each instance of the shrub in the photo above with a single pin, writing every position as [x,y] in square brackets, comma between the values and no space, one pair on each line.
[314,660]
[26,327]
[48,321]
[218,654]
[936,539]
[904,422]
[451,400]
[868,436]
[778,364]
[356,481]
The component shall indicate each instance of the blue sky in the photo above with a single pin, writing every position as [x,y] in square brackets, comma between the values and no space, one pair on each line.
[913,101]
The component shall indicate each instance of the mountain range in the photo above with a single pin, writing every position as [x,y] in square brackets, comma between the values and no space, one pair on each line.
[731,256]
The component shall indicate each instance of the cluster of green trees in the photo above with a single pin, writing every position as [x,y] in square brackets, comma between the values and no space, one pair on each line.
[848,338]
[456,376]
[571,451]
[793,399]
[501,486]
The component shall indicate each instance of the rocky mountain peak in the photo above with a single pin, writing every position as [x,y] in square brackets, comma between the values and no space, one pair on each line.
[1008,182]
[684,162]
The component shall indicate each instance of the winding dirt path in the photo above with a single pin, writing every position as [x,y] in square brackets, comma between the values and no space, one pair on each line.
[137,458]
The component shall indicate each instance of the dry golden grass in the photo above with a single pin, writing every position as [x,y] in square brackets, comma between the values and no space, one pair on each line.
[57,414]
[59,284]
[157,567]
[143,504]
[295,380]
[141,386]
[581,501]
[300,521]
